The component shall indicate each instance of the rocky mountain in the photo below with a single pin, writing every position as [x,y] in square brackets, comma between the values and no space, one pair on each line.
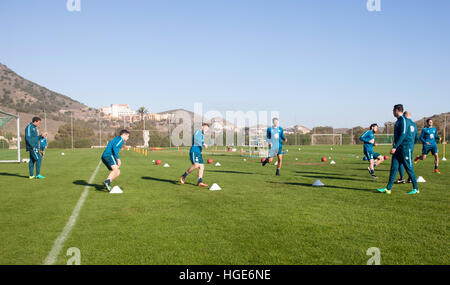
[25,96]
[28,99]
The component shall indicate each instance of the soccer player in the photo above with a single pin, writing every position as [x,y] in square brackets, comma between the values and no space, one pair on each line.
[32,145]
[111,159]
[275,137]
[428,138]
[402,150]
[402,180]
[195,155]
[43,144]
[373,157]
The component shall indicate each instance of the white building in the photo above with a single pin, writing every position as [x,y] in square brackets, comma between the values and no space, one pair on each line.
[118,110]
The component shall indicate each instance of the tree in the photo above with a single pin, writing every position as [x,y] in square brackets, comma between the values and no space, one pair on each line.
[4,144]
[142,111]
[322,130]
[388,128]
[357,132]
[84,136]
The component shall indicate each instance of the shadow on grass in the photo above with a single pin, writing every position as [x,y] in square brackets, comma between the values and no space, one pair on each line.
[160,179]
[315,172]
[332,177]
[326,186]
[230,171]
[376,169]
[12,174]
[98,187]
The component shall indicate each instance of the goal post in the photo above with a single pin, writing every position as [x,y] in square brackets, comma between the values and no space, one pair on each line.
[9,137]
[326,139]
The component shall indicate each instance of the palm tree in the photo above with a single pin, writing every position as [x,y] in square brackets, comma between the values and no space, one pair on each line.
[142,111]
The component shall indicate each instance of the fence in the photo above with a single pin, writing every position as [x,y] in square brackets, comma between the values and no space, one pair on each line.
[97,133]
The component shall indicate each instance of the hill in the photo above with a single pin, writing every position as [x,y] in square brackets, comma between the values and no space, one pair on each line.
[438,119]
[25,96]
[28,99]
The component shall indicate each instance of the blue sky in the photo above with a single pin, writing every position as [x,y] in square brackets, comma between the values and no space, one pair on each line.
[316,62]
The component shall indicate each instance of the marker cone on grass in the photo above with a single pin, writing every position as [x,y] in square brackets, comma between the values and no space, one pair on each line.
[215,187]
[318,183]
[116,190]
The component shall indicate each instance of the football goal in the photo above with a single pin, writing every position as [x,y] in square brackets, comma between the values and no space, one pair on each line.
[326,139]
[257,144]
[387,139]
[9,137]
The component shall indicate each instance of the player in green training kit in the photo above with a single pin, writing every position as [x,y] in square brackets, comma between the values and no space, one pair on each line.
[402,180]
[43,144]
[428,138]
[275,137]
[195,155]
[373,157]
[32,138]
[110,157]
[402,151]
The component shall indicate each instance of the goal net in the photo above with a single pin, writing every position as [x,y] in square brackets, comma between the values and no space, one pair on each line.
[387,139]
[257,144]
[9,137]
[326,139]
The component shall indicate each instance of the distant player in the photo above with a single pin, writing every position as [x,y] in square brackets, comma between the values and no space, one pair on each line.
[428,138]
[32,145]
[373,157]
[402,150]
[275,137]
[43,144]
[402,180]
[195,155]
[111,159]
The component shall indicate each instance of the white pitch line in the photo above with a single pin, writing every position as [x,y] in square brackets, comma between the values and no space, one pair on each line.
[59,242]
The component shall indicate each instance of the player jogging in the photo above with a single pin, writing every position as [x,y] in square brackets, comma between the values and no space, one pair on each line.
[373,157]
[428,138]
[111,159]
[402,150]
[32,145]
[275,137]
[195,155]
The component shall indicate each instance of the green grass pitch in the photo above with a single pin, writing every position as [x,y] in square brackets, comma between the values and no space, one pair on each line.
[257,218]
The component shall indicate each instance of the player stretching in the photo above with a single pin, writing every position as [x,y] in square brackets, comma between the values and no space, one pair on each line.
[195,155]
[428,138]
[402,151]
[275,137]
[373,157]
[32,145]
[110,157]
